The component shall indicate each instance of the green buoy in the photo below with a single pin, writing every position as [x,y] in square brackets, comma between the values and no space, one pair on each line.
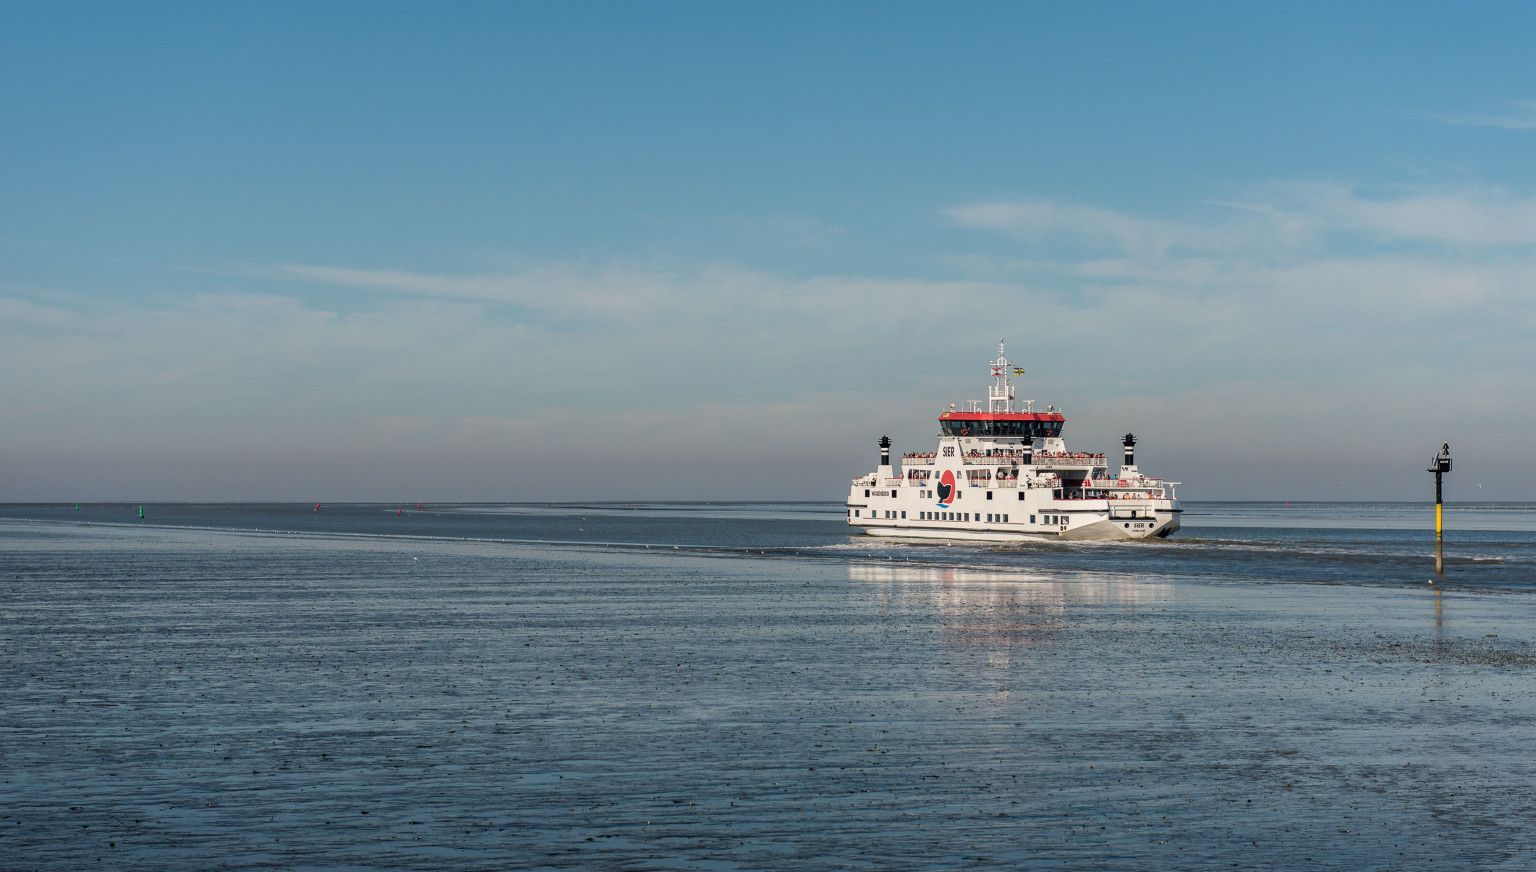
[141,511]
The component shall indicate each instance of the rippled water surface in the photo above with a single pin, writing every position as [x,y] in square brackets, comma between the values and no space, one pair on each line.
[748,685]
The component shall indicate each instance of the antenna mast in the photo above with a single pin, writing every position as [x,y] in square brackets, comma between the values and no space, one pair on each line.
[1000,394]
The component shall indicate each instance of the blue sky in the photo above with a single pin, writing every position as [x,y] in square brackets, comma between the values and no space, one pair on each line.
[646,251]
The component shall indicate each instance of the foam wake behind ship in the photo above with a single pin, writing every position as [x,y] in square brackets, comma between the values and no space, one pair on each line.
[1000,475]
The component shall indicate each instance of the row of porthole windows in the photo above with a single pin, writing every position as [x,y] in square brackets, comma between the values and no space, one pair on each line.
[928,494]
[948,516]
[992,518]
[957,516]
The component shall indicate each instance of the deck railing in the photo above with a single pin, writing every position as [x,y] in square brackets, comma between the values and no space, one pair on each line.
[1048,461]
[1057,461]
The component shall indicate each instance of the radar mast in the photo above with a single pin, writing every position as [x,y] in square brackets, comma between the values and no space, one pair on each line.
[1000,394]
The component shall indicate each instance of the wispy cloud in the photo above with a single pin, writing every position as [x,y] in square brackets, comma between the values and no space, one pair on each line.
[1517,115]
[1283,216]
[1047,220]
[718,294]
[1459,215]
[438,377]
[1349,275]
[558,289]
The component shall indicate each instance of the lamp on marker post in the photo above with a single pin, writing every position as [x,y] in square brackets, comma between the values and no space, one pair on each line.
[1440,464]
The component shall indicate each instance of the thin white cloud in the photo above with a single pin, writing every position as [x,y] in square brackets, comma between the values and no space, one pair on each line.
[556,289]
[1463,215]
[1277,218]
[262,396]
[1044,220]
[441,381]
[1518,115]
[1319,279]
[16,313]
[718,294]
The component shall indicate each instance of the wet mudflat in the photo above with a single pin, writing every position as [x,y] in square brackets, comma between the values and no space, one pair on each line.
[219,699]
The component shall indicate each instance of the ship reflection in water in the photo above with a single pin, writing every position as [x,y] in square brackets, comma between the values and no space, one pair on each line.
[1001,610]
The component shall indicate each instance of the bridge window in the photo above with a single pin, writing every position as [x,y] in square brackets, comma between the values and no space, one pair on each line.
[1012,429]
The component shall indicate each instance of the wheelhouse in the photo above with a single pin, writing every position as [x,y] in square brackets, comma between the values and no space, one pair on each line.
[1014,425]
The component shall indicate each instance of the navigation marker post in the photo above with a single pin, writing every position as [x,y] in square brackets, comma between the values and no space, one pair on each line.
[1439,465]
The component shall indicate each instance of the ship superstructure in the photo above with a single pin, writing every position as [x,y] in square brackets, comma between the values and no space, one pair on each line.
[1001,474]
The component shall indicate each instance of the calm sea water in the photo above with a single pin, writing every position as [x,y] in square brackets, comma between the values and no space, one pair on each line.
[749,685]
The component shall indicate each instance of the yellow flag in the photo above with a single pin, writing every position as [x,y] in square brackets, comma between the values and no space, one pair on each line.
[1018,371]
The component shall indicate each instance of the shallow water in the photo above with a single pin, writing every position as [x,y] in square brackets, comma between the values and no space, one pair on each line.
[749,686]
[1489,546]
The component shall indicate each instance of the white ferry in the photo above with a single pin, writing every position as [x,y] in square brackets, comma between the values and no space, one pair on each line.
[1002,474]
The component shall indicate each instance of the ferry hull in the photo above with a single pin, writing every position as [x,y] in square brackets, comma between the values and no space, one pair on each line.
[1109,530]
[1099,531]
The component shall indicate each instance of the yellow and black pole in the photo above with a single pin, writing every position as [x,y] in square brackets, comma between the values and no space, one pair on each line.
[1440,464]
